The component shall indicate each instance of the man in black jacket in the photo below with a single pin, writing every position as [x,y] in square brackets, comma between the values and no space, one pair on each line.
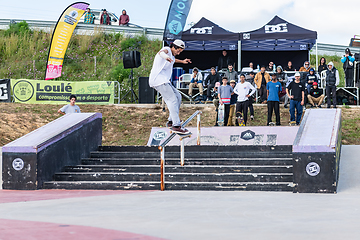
[210,81]
[332,80]
[225,60]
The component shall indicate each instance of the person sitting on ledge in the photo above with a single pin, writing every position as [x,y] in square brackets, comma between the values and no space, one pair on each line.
[316,96]
[306,67]
[196,81]
[231,74]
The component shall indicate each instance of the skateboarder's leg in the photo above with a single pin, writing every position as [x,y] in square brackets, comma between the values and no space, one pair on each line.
[171,97]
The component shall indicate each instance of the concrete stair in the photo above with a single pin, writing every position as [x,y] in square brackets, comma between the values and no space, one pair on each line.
[255,168]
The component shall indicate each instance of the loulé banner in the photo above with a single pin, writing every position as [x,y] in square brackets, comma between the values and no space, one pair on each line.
[58,92]
[176,19]
[60,39]
[5,90]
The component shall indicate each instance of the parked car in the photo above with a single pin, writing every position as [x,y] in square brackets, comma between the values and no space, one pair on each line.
[114,19]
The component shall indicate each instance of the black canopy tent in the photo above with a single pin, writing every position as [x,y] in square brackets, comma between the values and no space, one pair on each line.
[204,44]
[278,41]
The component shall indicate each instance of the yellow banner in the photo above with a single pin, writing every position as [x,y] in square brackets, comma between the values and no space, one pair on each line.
[61,38]
[58,92]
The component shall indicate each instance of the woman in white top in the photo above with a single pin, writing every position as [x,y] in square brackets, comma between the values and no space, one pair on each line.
[159,79]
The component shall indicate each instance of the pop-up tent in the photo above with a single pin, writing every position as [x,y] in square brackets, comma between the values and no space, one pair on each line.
[278,41]
[204,44]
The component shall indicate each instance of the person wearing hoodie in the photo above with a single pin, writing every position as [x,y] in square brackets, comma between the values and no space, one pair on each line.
[322,65]
[105,18]
[306,67]
[332,80]
[124,19]
[310,79]
[210,81]
[231,74]
[348,66]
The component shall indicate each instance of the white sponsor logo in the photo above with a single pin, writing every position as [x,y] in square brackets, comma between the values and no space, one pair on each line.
[281,27]
[18,164]
[3,92]
[203,30]
[246,36]
[313,169]
[160,135]
[303,47]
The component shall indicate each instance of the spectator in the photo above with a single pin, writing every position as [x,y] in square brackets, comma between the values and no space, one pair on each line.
[210,81]
[196,81]
[242,89]
[316,96]
[280,75]
[105,18]
[250,79]
[348,66]
[296,93]
[70,108]
[214,94]
[124,19]
[290,67]
[230,73]
[332,80]
[273,90]
[261,79]
[306,67]
[89,17]
[232,104]
[251,65]
[310,79]
[224,94]
[270,68]
[225,60]
[322,65]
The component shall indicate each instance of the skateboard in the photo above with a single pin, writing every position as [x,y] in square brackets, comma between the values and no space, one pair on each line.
[271,124]
[240,119]
[292,123]
[221,113]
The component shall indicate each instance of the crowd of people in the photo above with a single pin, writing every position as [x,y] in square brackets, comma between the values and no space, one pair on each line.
[274,85]
[105,18]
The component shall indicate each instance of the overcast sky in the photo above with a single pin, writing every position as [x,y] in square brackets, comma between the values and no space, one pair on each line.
[334,20]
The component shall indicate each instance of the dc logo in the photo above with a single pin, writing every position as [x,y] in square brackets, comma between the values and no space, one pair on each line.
[18,164]
[160,135]
[175,27]
[246,36]
[281,27]
[313,169]
[303,47]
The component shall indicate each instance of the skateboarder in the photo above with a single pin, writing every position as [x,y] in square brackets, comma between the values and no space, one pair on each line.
[273,89]
[242,89]
[159,79]
[296,93]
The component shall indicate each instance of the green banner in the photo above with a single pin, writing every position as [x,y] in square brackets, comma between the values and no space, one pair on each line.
[58,92]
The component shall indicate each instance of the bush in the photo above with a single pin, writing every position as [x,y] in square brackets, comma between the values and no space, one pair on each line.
[20,28]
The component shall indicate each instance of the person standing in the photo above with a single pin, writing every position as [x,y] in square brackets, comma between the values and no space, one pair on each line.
[242,89]
[225,60]
[124,19]
[348,66]
[159,79]
[224,94]
[210,81]
[273,90]
[290,67]
[70,108]
[196,81]
[105,18]
[322,66]
[89,17]
[231,74]
[261,79]
[332,80]
[296,93]
[250,78]
[232,104]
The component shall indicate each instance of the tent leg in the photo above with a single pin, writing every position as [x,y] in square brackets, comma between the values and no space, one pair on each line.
[239,56]
[316,49]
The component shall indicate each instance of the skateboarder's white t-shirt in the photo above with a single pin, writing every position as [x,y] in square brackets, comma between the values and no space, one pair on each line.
[162,70]
[243,89]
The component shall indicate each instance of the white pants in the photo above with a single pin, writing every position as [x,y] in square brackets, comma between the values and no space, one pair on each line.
[172,98]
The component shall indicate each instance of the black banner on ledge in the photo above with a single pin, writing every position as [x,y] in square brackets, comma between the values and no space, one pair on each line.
[5,90]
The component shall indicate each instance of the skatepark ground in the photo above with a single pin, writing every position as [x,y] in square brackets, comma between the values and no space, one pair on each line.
[60,214]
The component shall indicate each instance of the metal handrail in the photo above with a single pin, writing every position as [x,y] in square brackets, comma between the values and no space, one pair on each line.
[182,149]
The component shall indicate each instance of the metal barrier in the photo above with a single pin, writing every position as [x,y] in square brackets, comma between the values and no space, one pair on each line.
[182,147]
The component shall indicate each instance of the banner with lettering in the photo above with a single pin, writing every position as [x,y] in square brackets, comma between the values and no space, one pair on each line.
[63,31]
[176,19]
[58,92]
[5,90]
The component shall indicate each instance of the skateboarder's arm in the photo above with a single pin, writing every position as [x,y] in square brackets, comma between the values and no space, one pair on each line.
[185,61]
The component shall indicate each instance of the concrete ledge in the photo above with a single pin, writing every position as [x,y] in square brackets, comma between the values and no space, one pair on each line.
[34,158]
